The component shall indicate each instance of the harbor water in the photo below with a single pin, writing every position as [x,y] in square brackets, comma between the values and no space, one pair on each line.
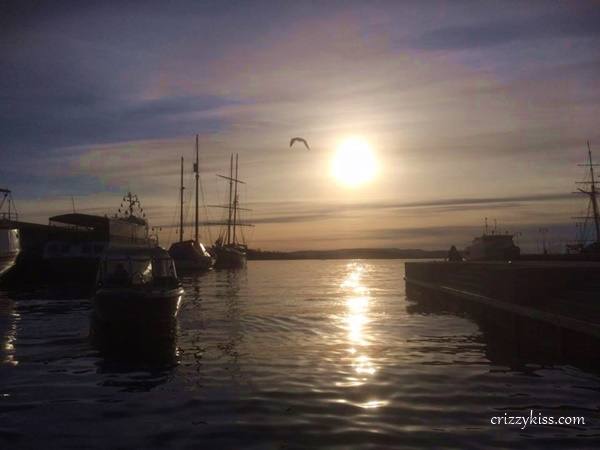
[282,355]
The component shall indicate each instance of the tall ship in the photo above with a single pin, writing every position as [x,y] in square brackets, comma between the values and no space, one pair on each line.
[588,229]
[190,255]
[229,248]
[10,246]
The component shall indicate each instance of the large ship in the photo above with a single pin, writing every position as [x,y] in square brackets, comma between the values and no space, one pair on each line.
[229,248]
[190,255]
[68,249]
[492,246]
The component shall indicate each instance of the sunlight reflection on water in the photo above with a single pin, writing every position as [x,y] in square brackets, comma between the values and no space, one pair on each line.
[293,354]
[357,301]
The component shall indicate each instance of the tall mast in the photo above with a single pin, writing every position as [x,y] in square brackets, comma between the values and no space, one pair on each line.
[230,200]
[197,175]
[235,197]
[181,205]
[592,193]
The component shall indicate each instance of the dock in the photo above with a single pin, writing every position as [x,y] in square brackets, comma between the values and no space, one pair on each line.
[561,299]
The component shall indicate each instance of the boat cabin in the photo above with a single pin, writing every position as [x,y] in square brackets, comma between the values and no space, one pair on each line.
[137,268]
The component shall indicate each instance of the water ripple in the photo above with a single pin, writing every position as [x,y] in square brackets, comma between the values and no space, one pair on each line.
[303,354]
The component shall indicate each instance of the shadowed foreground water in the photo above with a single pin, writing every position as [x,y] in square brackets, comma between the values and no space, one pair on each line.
[298,354]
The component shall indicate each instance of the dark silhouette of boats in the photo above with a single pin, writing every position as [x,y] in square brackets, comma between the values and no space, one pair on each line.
[190,255]
[10,246]
[137,285]
[67,250]
[75,255]
[228,248]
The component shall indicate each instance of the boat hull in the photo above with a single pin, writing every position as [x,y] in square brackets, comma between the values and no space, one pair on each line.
[129,305]
[189,256]
[9,248]
[230,258]
[7,261]
[193,265]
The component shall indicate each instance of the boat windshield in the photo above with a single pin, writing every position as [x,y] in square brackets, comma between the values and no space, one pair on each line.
[163,268]
[126,271]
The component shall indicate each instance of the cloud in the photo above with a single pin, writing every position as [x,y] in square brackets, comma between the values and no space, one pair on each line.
[494,33]
[95,101]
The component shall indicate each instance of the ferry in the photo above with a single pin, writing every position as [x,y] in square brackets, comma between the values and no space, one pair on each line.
[492,247]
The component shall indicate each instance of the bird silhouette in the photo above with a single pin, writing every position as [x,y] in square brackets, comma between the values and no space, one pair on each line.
[299,139]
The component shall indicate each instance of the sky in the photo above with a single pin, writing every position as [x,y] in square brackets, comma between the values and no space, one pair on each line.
[472,110]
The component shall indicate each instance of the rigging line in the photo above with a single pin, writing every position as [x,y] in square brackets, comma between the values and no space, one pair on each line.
[173,219]
[186,212]
[224,216]
[205,209]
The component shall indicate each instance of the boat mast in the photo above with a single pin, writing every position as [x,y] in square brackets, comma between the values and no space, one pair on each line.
[592,193]
[181,205]
[232,219]
[197,175]
[230,199]
[235,197]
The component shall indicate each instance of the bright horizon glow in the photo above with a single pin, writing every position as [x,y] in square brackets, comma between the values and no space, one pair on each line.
[354,163]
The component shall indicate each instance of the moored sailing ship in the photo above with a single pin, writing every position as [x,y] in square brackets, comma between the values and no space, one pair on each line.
[190,255]
[229,248]
[584,245]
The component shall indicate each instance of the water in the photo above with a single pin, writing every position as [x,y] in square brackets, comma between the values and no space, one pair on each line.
[298,354]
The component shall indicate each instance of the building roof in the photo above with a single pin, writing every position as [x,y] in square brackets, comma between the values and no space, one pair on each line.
[81,220]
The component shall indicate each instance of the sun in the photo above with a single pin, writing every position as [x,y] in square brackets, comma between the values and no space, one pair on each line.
[354,162]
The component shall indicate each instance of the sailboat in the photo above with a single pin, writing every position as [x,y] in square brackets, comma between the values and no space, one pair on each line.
[190,255]
[229,251]
[584,246]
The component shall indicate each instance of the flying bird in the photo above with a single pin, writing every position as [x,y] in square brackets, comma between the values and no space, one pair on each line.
[299,139]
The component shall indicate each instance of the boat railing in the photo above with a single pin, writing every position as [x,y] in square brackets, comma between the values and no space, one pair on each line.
[9,215]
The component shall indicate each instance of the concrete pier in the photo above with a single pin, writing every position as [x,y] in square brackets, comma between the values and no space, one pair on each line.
[562,294]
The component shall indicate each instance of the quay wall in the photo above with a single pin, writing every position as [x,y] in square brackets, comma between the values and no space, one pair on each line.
[528,284]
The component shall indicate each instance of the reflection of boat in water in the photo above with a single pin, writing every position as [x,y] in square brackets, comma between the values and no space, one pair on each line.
[137,285]
[229,251]
[149,345]
[9,235]
[190,255]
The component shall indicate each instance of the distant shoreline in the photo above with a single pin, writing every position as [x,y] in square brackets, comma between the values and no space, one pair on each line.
[357,253]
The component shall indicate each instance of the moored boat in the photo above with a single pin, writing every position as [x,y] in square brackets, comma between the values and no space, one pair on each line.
[190,255]
[492,247]
[231,256]
[229,252]
[9,235]
[137,285]
[75,255]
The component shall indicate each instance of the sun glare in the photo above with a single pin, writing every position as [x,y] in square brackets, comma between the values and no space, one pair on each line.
[354,163]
